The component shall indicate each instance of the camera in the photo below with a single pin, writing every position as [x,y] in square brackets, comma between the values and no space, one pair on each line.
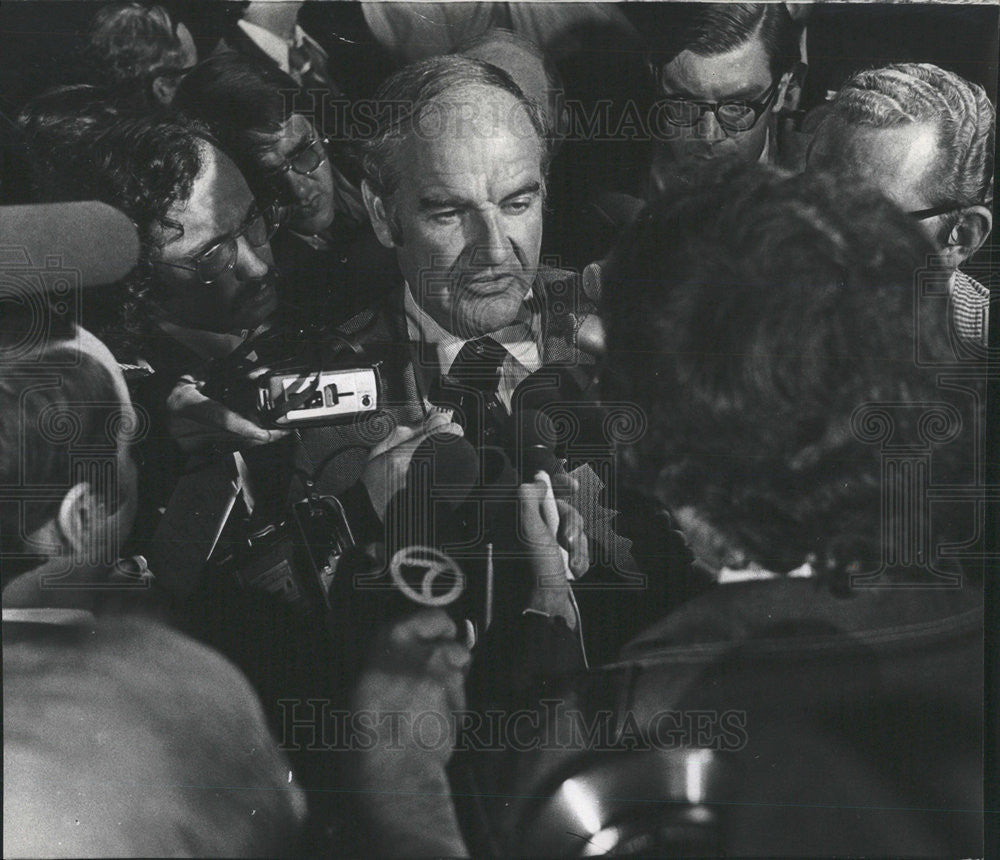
[294,399]
[324,386]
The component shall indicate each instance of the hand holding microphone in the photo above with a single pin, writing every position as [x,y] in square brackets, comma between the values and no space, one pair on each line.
[540,523]
[536,457]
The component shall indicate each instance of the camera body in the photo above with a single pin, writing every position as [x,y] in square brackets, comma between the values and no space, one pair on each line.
[285,382]
[288,399]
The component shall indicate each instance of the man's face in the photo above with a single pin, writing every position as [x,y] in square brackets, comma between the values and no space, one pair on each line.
[742,74]
[311,195]
[899,162]
[218,207]
[466,219]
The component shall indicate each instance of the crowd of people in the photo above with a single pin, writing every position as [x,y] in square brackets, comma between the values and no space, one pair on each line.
[413,437]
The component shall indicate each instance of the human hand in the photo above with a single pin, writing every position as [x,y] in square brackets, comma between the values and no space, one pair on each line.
[540,524]
[197,422]
[416,667]
[389,461]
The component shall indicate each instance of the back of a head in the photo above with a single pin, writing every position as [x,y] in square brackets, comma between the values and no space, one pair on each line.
[131,740]
[48,429]
[128,44]
[750,314]
[911,93]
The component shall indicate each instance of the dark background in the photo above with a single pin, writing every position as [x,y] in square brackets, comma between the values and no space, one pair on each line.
[38,40]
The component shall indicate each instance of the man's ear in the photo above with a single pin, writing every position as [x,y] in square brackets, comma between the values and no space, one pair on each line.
[790,89]
[967,236]
[164,89]
[378,214]
[79,515]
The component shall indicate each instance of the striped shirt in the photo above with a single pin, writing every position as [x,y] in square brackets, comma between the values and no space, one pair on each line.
[970,303]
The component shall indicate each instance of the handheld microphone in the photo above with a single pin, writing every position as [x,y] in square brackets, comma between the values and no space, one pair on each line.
[534,445]
[96,241]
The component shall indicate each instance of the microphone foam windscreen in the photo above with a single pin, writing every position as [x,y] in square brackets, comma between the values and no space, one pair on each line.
[91,242]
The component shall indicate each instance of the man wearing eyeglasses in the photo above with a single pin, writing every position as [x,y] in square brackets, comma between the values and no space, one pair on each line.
[723,71]
[925,137]
[325,241]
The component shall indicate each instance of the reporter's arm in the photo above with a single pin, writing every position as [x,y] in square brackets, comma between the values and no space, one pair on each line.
[416,669]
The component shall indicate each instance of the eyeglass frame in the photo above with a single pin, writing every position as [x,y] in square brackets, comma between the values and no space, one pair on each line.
[271,225]
[943,209]
[759,107]
[274,173]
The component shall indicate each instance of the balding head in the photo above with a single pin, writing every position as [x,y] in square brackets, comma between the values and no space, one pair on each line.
[419,94]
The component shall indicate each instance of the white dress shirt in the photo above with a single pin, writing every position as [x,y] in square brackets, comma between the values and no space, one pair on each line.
[276,47]
[521,340]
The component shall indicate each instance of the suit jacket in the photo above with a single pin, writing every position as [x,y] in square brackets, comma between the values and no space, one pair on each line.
[652,564]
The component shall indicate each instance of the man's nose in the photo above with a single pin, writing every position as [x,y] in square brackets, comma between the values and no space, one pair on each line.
[299,186]
[491,245]
[708,127]
[251,262]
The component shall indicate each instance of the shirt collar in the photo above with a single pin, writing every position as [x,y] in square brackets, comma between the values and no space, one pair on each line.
[520,339]
[273,45]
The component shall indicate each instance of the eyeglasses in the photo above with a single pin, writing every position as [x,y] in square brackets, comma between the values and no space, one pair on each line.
[212,263]
[732,116]
[304,161]
[944,209]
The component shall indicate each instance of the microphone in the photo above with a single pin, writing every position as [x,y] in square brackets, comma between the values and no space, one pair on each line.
[442,475]
[534,445]
[96,241]
[434,546]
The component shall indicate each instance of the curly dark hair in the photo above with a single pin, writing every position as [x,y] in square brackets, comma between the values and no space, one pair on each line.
[750,314]
[128,45]
[143,166]
[53,123]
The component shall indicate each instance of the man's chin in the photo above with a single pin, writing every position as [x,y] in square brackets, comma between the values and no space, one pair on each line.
[313,224]
[480,314]
[257,311]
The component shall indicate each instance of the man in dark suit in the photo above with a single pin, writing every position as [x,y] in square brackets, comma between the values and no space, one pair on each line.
[455,185]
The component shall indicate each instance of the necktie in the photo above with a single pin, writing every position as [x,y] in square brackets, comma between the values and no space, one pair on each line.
[477,367]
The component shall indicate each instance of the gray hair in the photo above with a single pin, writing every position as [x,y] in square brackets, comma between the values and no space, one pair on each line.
[906,93]
[405,97]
